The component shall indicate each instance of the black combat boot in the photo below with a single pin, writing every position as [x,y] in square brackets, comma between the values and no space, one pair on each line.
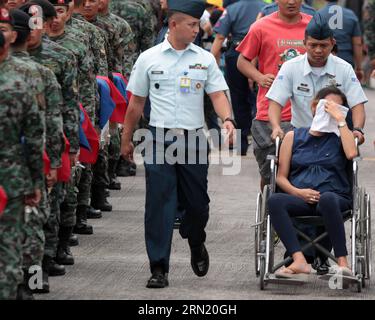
[114,184]
[64,256]
[125,168]
[73,240]
[23,290]
[81,226]
[93,213]
[51,267]
[99,200]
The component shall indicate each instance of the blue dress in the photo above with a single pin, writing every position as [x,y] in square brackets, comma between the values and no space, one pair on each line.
[319,163]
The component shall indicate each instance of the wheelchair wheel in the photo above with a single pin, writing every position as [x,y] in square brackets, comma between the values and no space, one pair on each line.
[368,245]
[262,272]
[258,228]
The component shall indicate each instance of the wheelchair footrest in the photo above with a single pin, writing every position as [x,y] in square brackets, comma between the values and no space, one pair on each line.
[272,278]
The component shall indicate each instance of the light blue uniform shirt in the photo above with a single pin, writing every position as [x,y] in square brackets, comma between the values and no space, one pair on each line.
[176,83]
[297,82]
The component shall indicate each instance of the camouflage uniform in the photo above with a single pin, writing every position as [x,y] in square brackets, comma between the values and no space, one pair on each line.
[370,29]
[139,21]
[151,13]
[63,64]
[19,115]
[122,42]
[87,94]
[123,63]
[97,41]
[34,239]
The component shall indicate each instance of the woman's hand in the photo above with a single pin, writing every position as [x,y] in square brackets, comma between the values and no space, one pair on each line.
[310,196]
[334,111]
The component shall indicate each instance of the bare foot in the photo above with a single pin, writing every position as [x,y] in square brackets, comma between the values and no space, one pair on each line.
[298,267]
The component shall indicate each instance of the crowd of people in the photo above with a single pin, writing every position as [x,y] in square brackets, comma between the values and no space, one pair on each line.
[77,77]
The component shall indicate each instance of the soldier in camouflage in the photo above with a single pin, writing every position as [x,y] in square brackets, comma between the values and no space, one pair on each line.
[122,28]
[22,178]
[125,45]
[140,23]
[50,108]
[63,64]
[71,215]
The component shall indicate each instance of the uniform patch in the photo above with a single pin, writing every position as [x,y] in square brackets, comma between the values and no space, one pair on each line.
[198,66]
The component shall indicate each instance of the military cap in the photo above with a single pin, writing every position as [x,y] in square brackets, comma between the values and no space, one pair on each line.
[2,39]
[60,2]
[21,19]
[5,17]
[47,8]
[318,28]
[194,8]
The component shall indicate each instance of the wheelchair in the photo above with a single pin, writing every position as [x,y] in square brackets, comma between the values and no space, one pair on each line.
[360,238]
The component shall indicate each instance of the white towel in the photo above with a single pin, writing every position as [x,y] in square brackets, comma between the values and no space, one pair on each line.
[323,122]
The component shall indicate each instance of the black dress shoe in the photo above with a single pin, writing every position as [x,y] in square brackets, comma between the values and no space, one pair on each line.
[158,280]
[177,223]
[321,266]
[200,260]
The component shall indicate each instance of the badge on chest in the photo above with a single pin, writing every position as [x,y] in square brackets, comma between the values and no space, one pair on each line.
[185,84]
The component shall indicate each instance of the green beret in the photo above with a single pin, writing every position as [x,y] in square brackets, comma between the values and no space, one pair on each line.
[194,8]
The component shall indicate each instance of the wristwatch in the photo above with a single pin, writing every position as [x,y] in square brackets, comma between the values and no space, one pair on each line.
[341,124]
[231,120]
[359,130]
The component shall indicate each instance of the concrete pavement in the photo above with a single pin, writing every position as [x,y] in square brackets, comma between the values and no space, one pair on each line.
[112,263]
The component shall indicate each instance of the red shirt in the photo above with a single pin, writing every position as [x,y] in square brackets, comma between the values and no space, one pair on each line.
[273,41]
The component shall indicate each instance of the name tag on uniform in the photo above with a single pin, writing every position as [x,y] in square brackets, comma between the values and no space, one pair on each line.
[304,89]
[185,84]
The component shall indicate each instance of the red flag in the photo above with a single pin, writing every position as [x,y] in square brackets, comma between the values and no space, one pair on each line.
[89,156]
[3,200]
[118,114]
[47,163]
[63,173]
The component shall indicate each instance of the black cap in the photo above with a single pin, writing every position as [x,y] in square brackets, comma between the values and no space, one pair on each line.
[194,8]
[21,19]
[318,28]
[48,10]
[2,39]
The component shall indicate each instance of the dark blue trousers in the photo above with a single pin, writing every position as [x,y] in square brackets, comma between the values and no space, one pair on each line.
[168,185]
[243,98]
[283,206]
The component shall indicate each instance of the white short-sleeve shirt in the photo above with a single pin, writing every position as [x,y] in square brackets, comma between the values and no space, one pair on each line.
[175,84]
[296,81]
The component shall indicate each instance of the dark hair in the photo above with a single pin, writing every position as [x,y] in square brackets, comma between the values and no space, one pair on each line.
[22,35]
[323,93]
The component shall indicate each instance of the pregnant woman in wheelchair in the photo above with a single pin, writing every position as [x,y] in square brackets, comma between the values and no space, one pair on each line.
[314,181]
